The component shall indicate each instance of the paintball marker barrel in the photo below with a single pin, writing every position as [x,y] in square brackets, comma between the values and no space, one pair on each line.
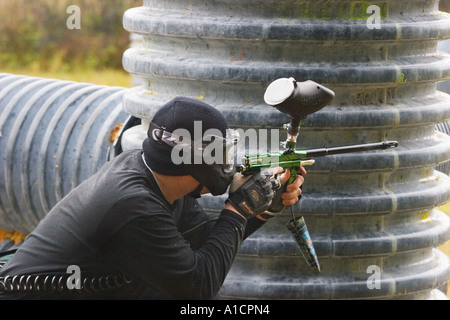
[313,153]
[291,159]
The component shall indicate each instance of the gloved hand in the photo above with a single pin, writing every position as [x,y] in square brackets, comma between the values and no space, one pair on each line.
[287,195]
[252,195]
[276,207]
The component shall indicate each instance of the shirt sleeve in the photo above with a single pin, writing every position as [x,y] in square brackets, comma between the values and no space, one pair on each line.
[151,250]
[196,225]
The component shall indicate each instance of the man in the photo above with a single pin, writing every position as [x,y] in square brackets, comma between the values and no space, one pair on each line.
[135,230]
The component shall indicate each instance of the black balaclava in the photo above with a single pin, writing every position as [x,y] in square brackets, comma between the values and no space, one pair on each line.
[182,113]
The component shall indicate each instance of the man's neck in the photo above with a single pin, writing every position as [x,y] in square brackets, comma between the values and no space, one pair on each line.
[174,188]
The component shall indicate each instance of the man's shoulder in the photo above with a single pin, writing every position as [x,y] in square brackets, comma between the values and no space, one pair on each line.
[129,155]
[125,163]
[119,178]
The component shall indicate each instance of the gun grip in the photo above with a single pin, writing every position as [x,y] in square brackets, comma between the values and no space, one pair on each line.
[293,176]
[292,179]
[277,202]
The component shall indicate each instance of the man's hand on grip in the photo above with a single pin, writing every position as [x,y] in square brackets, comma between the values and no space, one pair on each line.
[287,195]
[253,195]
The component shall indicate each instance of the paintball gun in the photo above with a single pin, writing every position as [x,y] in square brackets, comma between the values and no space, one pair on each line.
[298,100]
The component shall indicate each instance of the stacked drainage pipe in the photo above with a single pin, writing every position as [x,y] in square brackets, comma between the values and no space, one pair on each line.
[444,87]
[372,216]
[53,135]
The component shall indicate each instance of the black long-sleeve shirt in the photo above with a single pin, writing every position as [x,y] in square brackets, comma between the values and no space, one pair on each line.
[119,221]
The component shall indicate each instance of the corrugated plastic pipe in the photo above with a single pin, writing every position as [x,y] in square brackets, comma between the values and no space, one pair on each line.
[444,87]
[444,127]
[53,135]
[366,212]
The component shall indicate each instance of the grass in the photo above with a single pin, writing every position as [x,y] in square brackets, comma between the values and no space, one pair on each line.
[108,77]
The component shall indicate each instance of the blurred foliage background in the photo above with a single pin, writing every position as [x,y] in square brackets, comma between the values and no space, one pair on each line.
[35,40]
[444,5]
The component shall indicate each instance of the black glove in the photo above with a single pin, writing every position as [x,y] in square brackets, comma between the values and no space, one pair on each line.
[253,195]
[277,207]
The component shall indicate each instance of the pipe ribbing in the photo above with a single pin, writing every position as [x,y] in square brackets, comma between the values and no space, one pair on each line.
[368,209]
[54,134]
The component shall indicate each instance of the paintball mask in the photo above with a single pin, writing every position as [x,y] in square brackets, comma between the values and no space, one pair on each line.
[211,159]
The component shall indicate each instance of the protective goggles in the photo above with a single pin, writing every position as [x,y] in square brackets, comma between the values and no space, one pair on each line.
[212,147]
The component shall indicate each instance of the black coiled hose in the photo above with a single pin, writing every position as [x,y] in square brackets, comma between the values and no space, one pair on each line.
[58,283]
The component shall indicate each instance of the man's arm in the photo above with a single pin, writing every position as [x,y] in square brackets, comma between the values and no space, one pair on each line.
[196,225]
[151,250]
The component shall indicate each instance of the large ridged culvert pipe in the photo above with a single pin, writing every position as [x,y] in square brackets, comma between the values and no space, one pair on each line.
[444,127]
[371,215]
[445,47]
[53,135]
[444,86]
